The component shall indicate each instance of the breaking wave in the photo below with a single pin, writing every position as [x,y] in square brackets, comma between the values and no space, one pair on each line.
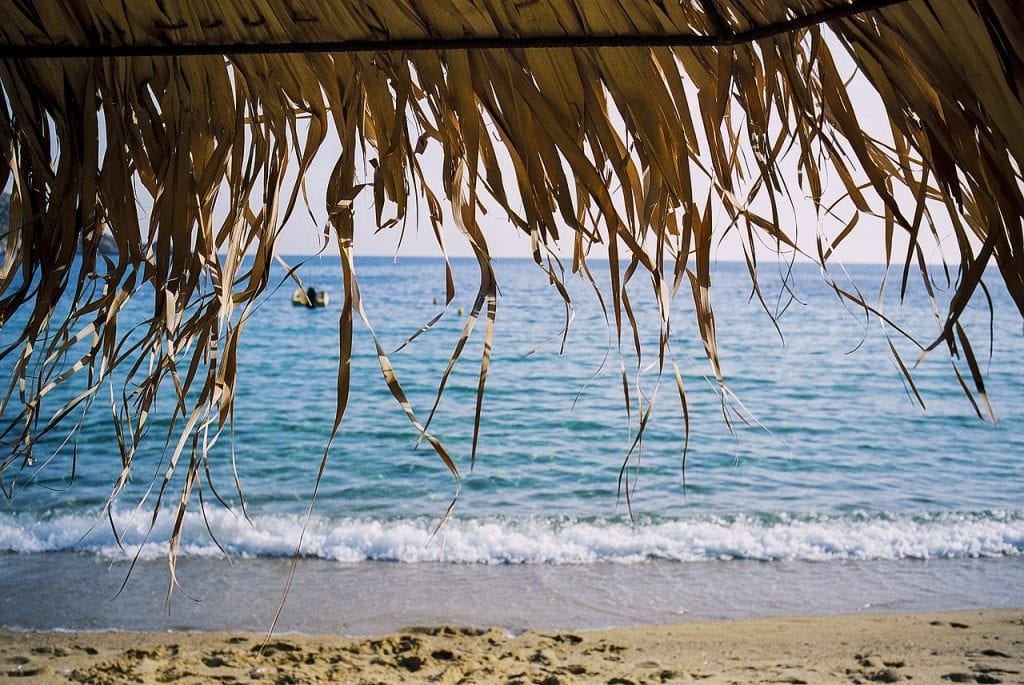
[536,540]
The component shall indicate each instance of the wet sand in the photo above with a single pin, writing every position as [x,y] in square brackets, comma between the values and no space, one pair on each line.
[960,647]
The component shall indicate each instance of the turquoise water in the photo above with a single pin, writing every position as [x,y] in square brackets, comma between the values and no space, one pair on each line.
[830,460]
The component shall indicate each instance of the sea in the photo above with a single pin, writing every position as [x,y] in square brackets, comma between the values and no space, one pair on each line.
[817,481]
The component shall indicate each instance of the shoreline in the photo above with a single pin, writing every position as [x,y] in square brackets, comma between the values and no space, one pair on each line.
[976,646]
[77,592]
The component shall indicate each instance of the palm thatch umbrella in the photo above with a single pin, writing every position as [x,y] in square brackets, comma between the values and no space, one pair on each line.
[633,130]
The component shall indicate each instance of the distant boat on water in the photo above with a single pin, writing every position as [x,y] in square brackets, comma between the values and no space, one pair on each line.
[310,297]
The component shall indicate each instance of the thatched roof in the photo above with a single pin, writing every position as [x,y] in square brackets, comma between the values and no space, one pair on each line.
[634,130]
[99,27]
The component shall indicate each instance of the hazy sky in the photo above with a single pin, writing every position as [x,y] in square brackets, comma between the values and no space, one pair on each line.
[303,236]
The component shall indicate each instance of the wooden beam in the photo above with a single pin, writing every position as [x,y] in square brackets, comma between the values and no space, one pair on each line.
[722,37]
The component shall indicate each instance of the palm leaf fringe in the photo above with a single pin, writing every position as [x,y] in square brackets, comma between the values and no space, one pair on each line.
[644,155]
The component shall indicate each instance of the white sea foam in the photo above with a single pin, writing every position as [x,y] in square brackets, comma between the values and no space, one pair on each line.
[538,540]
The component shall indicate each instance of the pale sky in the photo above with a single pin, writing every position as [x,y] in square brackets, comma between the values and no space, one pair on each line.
[302,236]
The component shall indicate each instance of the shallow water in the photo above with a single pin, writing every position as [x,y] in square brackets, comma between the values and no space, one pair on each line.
[836,472]
[80,592]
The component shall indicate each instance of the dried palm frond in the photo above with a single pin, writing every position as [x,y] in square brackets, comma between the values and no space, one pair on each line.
[636,130]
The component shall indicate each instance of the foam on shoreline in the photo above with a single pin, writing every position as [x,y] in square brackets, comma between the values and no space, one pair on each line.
[539,540]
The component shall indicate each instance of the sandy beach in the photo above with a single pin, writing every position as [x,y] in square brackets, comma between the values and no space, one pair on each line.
[960,647]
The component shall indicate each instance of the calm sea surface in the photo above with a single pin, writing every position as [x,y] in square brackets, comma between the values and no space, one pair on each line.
[832,491]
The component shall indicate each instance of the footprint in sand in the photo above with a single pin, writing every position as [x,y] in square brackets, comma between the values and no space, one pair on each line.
[411,663]
[971,678]
[271,648]
[22,667]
